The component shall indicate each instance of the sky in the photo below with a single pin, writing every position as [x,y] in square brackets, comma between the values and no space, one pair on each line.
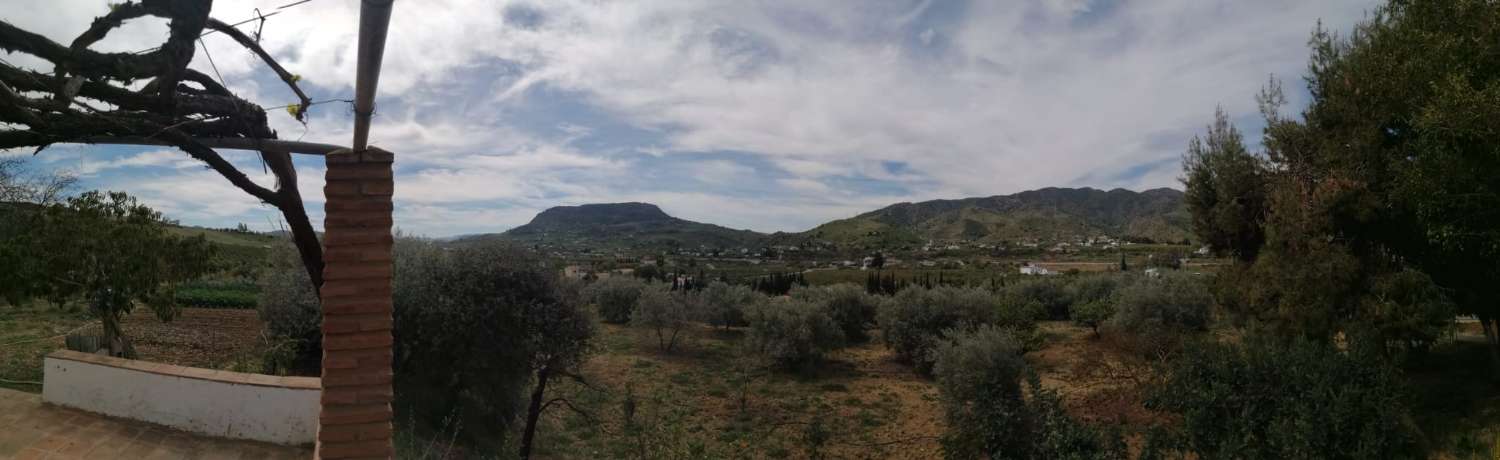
[769,115]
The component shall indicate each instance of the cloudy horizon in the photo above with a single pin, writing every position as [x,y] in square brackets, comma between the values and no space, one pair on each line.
[770,116]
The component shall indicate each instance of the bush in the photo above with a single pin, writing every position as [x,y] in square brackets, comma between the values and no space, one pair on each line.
[666,314]
[979,374]
[466,336]
[1158,312]
[1405,311]
[914,320]
[794,334]
[293,315]
[1302,399]
[616,297]
[847,304]
[1051,292]
[724,304]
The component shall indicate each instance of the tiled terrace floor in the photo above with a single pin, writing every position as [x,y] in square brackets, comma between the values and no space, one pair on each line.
[30,429]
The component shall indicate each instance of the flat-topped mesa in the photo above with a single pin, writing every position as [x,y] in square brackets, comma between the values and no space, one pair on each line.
[595,214]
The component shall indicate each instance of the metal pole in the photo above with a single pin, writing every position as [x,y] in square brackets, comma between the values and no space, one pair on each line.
[374,21]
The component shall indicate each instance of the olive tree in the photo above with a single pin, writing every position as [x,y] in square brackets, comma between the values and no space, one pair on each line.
[792,333]
[615,297]
[476,327]
[666,314]
[724,304]
[847,304]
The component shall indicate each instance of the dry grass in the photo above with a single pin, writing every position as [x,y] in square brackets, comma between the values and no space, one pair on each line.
[708,401]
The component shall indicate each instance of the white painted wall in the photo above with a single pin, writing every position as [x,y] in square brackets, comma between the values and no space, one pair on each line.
[216,403]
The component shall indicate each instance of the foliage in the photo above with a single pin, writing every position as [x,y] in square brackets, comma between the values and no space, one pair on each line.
[666,314]
[471,325]
[112,251]
[978,374]
[1271,399]
[1391,167]
[847,304]
[616,297]
[724,304]
[218,294]
[914,320]
[1226,190]
[292,313]
[795,334]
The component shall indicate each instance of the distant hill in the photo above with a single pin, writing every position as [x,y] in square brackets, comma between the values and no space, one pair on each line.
[624,225]
[1046,214]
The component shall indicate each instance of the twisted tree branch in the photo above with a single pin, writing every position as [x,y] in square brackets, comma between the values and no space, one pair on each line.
[89,100]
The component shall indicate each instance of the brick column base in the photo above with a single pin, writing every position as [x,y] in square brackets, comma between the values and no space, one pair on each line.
[356,405]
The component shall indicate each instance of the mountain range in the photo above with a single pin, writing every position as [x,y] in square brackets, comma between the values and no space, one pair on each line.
[1049,214]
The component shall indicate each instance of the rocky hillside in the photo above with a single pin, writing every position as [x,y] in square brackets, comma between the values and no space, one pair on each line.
[1049,214]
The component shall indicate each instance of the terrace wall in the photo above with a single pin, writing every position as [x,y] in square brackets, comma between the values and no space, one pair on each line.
[281,410]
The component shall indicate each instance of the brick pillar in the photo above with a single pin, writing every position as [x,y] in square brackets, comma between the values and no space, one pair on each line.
[356,406]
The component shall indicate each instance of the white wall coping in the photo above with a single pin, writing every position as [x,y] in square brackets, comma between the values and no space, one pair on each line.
[281,410]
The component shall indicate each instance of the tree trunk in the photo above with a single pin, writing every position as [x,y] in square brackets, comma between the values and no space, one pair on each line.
[534,412]
[303,234]
[1491,328]
[114,338]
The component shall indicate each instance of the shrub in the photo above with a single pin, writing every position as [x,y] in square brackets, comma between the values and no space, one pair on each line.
[616,297]
[913,321]
[724,304]
[794,334]
[979,374]
[666,314]
[1301,399]
[1158,312]
[1093,299]
[847,304]
[1405,311]
[1051,292]
[289,307]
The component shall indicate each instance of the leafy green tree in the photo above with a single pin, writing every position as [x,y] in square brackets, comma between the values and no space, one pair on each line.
[1226,190]
[1094,298]
[114,253]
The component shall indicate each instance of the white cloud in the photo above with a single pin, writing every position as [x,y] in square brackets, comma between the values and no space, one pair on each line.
[974,98]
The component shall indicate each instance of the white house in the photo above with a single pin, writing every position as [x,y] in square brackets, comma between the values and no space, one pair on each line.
[1030,269]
